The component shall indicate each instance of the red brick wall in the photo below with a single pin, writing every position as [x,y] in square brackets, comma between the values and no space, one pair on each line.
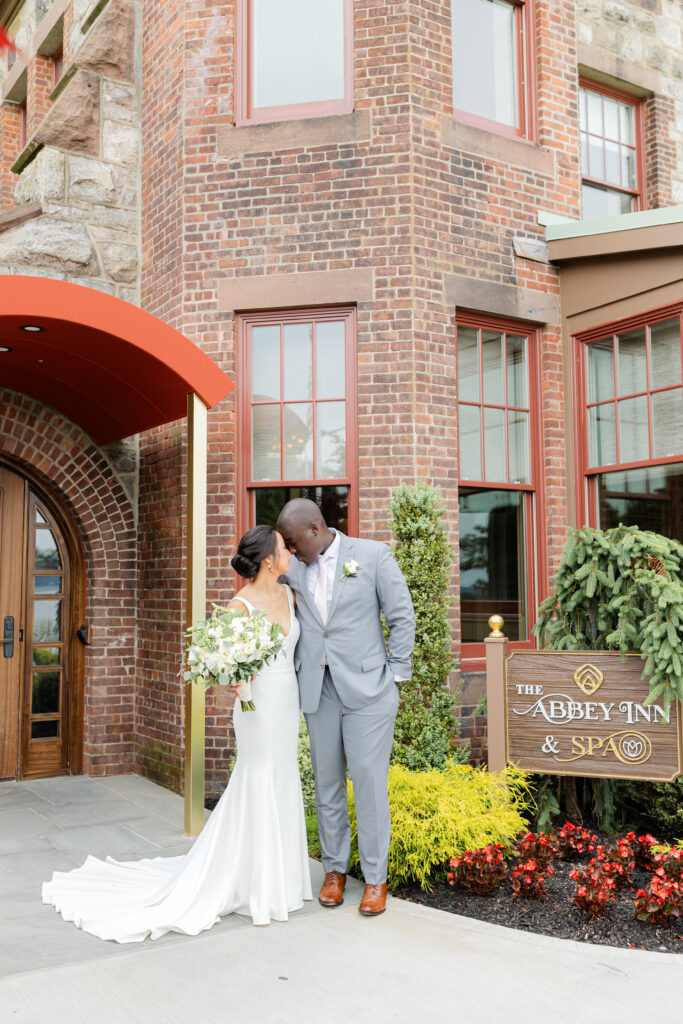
[72,466]
[10,118]
[660,150]
[402,202]
[39,87]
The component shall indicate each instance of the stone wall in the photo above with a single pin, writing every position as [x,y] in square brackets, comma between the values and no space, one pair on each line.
[86,177]
[640,46]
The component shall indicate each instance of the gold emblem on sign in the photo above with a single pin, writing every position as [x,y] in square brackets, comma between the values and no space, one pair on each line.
[588,678]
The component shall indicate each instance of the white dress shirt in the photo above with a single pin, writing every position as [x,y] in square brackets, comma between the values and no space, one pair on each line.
[330,557]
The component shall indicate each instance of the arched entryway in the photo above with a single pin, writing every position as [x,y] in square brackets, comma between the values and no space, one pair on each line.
[109,370]
[41,602]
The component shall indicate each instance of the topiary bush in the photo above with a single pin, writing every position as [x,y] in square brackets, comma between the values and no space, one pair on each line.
[438,814]
[426,730]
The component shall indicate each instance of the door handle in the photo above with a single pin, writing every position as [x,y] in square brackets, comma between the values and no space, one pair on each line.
[8,636]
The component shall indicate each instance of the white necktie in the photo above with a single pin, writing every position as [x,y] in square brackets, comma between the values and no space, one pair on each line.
[320,595]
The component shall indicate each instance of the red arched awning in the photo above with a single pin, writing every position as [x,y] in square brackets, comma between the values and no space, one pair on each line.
[109,366]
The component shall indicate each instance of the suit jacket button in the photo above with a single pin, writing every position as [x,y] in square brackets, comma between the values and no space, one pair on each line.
[323,665]
[325,636]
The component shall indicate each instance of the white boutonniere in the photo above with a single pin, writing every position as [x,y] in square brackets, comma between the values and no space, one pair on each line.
[350,569]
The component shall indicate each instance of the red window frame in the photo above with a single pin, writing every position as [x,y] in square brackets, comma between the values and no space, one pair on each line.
[473,655]
[525,37]
[638,194]
[245,482]
[586,474]
[247,113]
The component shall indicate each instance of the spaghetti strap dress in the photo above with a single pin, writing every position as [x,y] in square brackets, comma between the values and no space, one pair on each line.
[251,857]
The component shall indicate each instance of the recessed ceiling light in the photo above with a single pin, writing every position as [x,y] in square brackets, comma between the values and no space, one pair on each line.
[32,328]
[5,348]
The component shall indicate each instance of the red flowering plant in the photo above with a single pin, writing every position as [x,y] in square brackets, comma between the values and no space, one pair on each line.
[479,871]
[576,842]
[539,846]
[615,863]
[671,862]
[528,879]
[621,854]
[594,889]
[661,902]
[642,851]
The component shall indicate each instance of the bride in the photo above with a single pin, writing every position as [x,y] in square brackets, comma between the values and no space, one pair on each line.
[251,857]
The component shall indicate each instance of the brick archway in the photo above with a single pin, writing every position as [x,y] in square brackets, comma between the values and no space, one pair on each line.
[66,462]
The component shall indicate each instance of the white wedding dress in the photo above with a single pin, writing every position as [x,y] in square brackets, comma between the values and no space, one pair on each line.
[251,856]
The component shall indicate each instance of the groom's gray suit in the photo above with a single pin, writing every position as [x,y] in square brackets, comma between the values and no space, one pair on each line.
[349,696]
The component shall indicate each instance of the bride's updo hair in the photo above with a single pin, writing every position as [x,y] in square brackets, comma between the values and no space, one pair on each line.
[258,543]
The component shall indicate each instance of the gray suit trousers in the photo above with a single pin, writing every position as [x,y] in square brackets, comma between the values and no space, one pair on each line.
[361,740]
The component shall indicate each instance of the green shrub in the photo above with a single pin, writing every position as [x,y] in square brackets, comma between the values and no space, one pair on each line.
[306,769]
[438,814]
[618,589]
[426,730]
[660,804]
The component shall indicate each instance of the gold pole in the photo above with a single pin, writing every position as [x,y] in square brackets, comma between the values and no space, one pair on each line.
[496,651]
[195,608]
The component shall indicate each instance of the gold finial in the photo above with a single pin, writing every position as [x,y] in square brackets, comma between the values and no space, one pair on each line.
[496,624]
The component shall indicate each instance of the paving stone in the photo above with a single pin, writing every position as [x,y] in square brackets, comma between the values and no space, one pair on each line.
[115,841]
[90,813]
[21,823]
[34,868]
[17,794]
[157,831]
[80,788]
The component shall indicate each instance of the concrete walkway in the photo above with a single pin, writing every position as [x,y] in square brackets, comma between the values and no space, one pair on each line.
[411,964]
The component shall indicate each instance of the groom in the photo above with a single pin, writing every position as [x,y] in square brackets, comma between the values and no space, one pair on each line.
[347,684]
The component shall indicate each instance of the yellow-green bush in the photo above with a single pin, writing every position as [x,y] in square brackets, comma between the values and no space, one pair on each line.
[437,815]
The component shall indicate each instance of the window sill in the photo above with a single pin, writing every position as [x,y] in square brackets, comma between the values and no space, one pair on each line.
[458,135]
[281,135]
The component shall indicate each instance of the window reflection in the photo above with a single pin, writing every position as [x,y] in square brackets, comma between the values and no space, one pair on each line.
[45,698]
[651,498]
[333,502]
[46,551]
[492,562]
[47,620]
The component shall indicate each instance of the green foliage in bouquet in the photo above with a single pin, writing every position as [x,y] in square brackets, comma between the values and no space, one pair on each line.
[426,731]
[621,589]
[441,813]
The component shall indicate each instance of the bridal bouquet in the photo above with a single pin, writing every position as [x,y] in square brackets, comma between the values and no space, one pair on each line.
[229,648]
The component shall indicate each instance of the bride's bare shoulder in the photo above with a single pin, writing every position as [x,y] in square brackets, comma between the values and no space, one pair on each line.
[240,602]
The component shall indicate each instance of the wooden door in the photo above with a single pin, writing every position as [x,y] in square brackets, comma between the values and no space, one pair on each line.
[12,562]
[39,663]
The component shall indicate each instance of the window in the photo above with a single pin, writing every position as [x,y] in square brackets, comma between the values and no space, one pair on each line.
[631,431]
[493,64]
[57,67]
[298,414]
[611,152]
[23,126]
[295,59]
[499,436]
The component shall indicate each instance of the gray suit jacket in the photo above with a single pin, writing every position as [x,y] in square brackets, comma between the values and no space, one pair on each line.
[352,640]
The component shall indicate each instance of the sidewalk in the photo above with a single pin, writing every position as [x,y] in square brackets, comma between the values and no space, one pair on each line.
[411,964]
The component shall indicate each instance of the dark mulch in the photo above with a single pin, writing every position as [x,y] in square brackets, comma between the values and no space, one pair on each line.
[556,914]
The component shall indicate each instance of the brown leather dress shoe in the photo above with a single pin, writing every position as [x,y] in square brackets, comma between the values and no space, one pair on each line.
[332,889]
[374,900]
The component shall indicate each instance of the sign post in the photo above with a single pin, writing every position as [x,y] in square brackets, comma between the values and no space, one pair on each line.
[496,653]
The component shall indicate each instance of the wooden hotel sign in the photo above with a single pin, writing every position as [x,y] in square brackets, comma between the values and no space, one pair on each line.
[583,713]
